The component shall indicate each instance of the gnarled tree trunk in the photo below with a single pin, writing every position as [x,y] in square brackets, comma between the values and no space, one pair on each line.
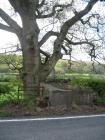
[31,55]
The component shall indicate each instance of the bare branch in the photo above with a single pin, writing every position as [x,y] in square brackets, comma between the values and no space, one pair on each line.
[89,23]
[89,18]
[64,30]
[10,21]
[69,23]
[79,43]
[46,37]
[6,28]
[65,50]
[61,7]
[44,53]
[15,4]
[42,3]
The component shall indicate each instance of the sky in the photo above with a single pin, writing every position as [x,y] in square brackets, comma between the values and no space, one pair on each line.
[7,38]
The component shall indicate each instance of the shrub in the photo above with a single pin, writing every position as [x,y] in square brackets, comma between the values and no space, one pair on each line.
[4,114]
[95,83]
[100,101]
[4,88]
[7,78]
[4,79]
[98,85]
[80,81]
[11,98]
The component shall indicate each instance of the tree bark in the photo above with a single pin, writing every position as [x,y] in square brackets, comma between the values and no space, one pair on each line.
[31,56]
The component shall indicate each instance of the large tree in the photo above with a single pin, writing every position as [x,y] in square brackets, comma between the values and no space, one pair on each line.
[34,69]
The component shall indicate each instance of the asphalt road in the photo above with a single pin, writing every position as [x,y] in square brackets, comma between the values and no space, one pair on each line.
[89,128]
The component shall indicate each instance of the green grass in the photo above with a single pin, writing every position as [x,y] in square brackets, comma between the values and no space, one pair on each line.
[9,89]
[4,114]
[13,98]
[85,75]
[4,68]
[76,77]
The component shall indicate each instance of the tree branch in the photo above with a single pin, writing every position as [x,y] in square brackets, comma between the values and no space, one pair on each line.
[22,6]
[42,3]
[53,11]
[64,30]
[6,28]
[44,53]
[79,43]
[46,37]
[69,23]
[10,21]
[89,18]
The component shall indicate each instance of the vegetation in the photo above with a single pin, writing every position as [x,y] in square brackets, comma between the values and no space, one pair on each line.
[10,63]
[66,35]
[4,114]
[11,86]
[97,84]
[100,101]
[80,67]
[9,89]
[4,68]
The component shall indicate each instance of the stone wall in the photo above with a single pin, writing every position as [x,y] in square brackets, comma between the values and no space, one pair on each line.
[59,97]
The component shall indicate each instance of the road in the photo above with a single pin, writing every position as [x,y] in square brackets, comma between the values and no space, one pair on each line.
[73,128]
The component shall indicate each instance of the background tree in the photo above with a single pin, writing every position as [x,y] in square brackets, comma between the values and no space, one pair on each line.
[32,12]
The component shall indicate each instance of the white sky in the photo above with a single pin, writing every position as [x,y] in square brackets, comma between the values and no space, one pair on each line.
[7,38]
